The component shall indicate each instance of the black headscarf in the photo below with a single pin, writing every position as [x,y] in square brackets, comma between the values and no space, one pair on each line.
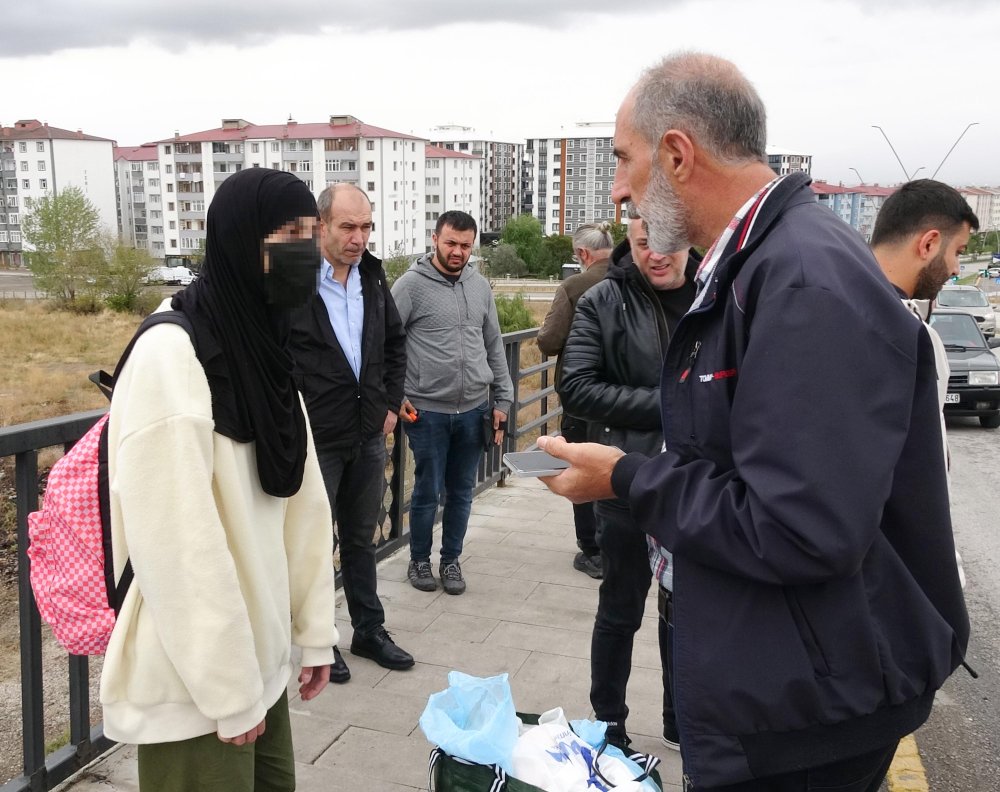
[240,339]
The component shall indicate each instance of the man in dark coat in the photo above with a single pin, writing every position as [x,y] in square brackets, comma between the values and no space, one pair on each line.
[350,361]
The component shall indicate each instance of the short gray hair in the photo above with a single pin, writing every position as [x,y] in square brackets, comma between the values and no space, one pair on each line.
[325,201]
[707,98]
[594,236]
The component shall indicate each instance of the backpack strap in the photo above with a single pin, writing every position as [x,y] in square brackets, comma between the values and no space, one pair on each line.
[104,381]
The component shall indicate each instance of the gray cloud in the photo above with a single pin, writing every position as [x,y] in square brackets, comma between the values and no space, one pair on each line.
[42,27]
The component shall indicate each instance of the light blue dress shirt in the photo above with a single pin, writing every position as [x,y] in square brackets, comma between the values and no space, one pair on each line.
[346,310]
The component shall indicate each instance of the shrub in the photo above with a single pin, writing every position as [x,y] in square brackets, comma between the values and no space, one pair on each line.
[513,313]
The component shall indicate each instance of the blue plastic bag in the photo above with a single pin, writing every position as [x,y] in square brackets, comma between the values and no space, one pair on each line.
[474,719]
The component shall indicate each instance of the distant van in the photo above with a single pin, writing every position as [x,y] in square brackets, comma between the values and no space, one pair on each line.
[172,275]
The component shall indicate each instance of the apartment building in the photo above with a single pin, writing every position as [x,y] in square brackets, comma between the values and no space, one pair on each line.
[389,166]
[38,160]
[783,162]
[140,206]
[568,178]
[453,182]
[985,202]
[843,201]
[500,177]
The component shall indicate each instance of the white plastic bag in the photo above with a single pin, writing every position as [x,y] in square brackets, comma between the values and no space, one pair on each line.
[552,757]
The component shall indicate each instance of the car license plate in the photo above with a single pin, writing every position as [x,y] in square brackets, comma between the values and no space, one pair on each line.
[951,398]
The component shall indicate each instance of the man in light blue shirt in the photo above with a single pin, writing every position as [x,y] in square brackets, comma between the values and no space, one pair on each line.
[349,348]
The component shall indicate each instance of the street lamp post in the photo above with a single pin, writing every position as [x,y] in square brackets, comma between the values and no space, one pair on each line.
[876,126]
[922,167]
[974,123]
[858,175]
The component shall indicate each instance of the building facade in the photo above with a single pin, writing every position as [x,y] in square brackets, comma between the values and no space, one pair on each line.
[500,172]
[453,182]
[388,166]
[38,161]
[783,162]
[140,208]
[568,178]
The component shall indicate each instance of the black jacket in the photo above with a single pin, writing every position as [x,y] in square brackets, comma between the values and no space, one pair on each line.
[817,602]
[613,356]
[343,411]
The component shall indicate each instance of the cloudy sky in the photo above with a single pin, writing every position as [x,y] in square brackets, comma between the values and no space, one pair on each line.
[828,70]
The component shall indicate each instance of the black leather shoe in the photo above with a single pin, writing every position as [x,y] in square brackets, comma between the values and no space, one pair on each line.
[380,647]
[339,672]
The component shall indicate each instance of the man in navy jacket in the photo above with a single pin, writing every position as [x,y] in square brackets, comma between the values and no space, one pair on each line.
[802,489]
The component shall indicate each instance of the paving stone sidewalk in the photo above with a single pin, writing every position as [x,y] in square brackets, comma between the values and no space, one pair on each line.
[526,612]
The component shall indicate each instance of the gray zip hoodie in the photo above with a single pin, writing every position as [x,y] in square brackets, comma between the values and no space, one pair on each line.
[454,352]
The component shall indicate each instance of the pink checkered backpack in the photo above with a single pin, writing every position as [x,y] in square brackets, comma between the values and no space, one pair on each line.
[69,550]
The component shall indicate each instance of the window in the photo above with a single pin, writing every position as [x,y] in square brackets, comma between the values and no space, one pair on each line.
[153,166]
[40,146]
[306,165]
[173,243]
[370,165]
[24,165]
[371,247]
[395,165]
[12,201]
[255,148]
[3,236]
[611,171]
[370,145]
[600,158]
[170,206]
[11,184]
[172,225]
[555,213]
[25,184]
[3,219]
[598,171]
[569,171]
[332,166]
[13,218]
[22,147]
[15,236]
[166,149]
[152,182]
[292,145]
[371,186]
[600,143]
[170,187]
[569,158]
[170,169]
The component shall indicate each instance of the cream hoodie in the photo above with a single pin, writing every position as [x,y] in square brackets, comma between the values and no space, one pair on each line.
[227,577]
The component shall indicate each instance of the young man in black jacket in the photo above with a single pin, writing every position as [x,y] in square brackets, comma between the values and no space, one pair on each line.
[802,491]
[611,380]
[350,361]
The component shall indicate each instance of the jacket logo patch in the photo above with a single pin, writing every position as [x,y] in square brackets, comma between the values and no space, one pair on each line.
[718,375]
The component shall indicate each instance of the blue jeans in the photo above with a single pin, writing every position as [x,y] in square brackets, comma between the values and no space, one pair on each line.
[355,483]
[446,451]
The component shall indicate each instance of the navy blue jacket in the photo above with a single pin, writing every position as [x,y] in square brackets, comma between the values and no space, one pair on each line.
[803,494]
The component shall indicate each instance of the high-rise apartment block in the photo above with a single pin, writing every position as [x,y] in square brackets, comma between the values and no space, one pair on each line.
[568,178]
[388,166]
[783,162]
[37,161]
[140,209]
[452,183]
[500,177]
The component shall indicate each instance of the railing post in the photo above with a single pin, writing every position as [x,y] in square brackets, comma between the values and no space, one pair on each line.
[398,483]
[32,716]
[545,399]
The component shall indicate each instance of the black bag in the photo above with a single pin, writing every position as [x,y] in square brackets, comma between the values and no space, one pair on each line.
[450,774]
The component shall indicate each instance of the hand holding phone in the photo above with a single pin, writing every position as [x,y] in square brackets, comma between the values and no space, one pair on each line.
[534,463]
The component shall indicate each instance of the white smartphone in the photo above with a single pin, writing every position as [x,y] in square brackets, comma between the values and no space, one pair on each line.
[534,463]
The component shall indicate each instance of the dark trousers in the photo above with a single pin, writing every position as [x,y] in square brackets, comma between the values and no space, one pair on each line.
[355,484]
[858,774]
[620,605]
[447,448]
[665,635]
[575,431]
[207,764]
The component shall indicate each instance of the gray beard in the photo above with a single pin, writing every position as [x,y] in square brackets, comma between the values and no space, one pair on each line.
[667,219]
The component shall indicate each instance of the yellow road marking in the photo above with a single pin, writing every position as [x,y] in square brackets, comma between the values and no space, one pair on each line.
[906,774]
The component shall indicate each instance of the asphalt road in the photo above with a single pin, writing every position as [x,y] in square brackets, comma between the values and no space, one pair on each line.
[960,744]
[16,283]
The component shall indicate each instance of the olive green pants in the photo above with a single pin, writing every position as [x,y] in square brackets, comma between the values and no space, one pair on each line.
[207,764]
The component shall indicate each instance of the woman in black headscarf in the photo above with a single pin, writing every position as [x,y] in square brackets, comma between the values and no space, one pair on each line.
[217,500]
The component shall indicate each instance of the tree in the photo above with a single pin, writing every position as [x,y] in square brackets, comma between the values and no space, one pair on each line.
[63,230]
[125,274]
[512,313]
[503,260]
[396,263]
[560,250]
[525,234]
[618,232]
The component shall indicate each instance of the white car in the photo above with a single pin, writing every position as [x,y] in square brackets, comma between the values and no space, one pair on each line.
[173,275]
[970,300]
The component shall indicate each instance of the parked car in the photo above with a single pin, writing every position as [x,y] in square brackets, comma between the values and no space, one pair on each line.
[974,384]
[173,275]
[972,301]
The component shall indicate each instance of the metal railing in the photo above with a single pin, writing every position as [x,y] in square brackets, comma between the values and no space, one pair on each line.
[42,772]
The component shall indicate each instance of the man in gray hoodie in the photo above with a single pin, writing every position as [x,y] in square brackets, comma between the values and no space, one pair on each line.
[455,363]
